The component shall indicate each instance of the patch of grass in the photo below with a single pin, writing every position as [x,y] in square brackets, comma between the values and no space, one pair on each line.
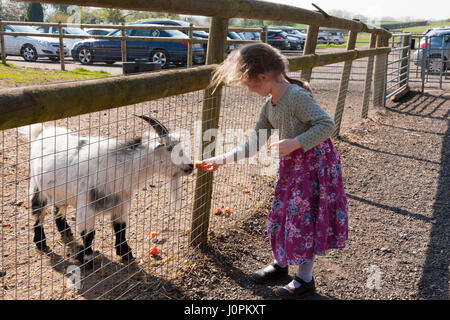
[12,76]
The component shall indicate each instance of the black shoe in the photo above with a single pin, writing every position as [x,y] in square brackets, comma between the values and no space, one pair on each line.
[306,289]
[262,276]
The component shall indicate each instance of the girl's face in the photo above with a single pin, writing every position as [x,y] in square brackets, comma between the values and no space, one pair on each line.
[262,85]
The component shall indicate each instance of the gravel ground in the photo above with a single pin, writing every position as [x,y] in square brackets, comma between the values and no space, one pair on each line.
[396,174]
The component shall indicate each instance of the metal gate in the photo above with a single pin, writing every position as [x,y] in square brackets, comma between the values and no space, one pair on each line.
[398,64]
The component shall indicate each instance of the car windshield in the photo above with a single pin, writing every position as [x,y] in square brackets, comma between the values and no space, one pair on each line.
[76,31]
[118,33]
[24,29]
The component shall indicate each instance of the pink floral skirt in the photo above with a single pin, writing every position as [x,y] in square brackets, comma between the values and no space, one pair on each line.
[309,208]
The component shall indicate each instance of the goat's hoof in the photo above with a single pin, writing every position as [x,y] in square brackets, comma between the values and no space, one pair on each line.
[42,247]
[128,257]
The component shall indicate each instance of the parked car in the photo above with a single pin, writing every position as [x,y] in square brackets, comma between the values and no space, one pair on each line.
[109,51]
[278,39]
[436,55]
[72,31]
[98,32]
[199,34]
[442,28]
[30,47]
[294,33]
[233,36]
[250,35]
[331,37]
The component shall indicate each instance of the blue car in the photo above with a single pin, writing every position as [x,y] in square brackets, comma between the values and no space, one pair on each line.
[109,51]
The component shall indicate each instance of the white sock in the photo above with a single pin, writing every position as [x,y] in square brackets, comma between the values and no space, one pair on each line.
[304,272]
[270,268]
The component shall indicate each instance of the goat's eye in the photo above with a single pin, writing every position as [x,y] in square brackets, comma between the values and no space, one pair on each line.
[169,148]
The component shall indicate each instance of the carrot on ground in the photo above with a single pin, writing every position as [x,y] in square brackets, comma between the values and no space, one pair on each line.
[154,251]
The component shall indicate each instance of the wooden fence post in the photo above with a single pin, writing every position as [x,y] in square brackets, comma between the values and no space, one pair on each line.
[61,47]
[190,44]
[310,48]
[263,34]
[210,120]
[2,43]
[368,83]
[343,86]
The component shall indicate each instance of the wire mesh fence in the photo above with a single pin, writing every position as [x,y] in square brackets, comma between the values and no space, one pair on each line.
[156,218]
[117,187]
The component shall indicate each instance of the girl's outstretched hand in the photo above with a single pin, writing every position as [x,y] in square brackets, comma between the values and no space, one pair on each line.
[209,165]
[286,146]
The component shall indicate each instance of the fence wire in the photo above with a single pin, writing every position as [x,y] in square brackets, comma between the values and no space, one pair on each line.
[158,219]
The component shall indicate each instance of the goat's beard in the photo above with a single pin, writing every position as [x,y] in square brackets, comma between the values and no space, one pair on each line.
[175,191]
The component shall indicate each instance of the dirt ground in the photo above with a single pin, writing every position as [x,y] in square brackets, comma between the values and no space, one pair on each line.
[397,188]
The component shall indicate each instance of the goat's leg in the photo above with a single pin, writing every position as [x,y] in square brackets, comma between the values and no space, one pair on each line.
[122,248]
[61,224]
[85,225]
[38,212]
[119,219]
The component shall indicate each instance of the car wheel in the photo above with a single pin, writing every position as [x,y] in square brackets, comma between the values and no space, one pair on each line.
[29,53]
[160,56]
[435,64]
[85,55]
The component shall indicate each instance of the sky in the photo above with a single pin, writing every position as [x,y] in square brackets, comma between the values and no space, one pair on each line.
[420,10]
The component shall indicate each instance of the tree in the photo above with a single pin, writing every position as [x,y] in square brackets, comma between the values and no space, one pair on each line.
[12,11]
[35,12]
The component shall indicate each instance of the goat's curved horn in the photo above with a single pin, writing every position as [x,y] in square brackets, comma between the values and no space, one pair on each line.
[160,129]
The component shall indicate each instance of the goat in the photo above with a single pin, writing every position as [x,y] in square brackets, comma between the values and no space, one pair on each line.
[95,174]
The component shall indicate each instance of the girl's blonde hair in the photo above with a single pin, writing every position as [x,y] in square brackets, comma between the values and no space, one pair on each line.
[246,62]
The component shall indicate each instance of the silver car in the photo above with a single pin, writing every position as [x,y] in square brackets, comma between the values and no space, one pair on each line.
[67,31]
[29,47]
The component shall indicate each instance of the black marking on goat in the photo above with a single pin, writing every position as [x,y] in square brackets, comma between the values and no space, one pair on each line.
[99,201]
[130,146]
[81,144]
[122,248]
[37,204]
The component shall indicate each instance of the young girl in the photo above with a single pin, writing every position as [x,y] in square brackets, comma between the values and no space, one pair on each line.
[309,208]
